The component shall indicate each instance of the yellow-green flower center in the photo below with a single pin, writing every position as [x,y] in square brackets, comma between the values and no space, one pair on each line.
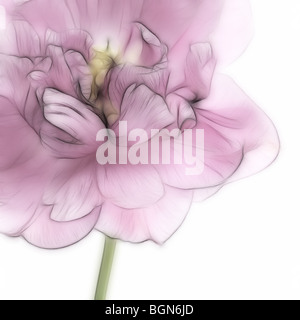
[100,65]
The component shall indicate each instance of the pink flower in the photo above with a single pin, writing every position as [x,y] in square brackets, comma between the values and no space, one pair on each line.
[69,69]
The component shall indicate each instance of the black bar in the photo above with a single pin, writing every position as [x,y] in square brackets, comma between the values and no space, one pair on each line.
[148,309]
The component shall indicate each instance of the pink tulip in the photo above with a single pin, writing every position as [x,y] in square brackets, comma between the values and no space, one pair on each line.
[159,69]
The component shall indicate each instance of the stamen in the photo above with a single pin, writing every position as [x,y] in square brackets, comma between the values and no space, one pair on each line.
[100,65]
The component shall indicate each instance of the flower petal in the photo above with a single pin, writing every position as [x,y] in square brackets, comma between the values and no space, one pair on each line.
[183,110]
[75,40]
[244,122]
[20,39]
[112,17]
[73,192]
[48,234]
[121,78]
[130,186]
[233,32]
[200,69]
[144,47]
[157,222]
[23,159]
[141,107]
[81,73]
[239,140]
[71,119]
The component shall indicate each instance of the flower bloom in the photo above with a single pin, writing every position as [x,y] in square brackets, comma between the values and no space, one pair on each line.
[69,69]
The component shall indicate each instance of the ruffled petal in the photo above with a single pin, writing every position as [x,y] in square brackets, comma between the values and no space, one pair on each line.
[178,24]
[74,125]
[143,109]
[200,70]
[157,222]
[121,78]
[182,110]
[239,139]
[81,73]
[244,122]
[75,40]
[49,234]
[144,48]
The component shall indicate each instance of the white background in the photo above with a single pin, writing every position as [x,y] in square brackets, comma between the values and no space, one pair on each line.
[244,243]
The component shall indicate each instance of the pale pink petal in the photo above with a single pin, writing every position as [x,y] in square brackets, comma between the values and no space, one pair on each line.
[44,15]
[76,40]
[112,17]
[157,222]
[233,32]
[130,186]
[49,234]
[200,69]
[81,73]
[13,74]
[73,192]
[53,71]
[22,170]
[20,39]
[121,78]
[74,125]
[192,79]
[21,191]
[59,76]
[182,109]
[243,122]
[16,214]
[176,21]
[239,139]
[143,109]
[144,48]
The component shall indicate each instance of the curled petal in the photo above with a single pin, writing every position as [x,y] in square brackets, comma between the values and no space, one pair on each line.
[243,122]
[144,47]
[141,106]
[75,40]
[49,234]
[200,69]
[239,139]
[74,125]
[183,110]
[80,72]
[121,78]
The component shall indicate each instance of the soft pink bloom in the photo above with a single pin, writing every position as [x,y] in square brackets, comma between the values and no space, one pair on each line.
[52,190]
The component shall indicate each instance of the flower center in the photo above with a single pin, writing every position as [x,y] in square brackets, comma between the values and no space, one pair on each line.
[100,65]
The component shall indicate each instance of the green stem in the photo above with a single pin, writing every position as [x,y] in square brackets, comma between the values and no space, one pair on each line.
[105,270]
